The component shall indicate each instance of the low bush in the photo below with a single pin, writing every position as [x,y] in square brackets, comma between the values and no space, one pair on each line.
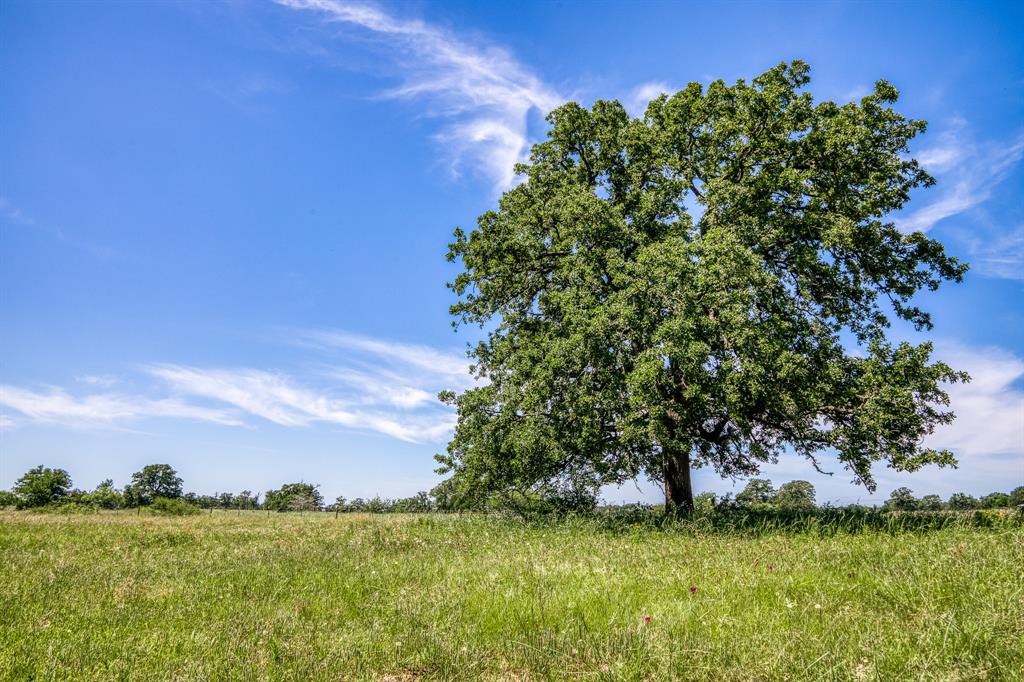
[68,507]
[822,521]
[172,507]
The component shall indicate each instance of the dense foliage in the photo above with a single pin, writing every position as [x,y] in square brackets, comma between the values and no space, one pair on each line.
[155,480]
[51,489]
[176,506]
[677,291]
[294,497]
[41,486]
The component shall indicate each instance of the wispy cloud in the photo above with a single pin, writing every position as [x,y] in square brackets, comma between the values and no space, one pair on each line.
[247,93]
[437,368]
[264,394]
[57,406]
[279,399]
[967,172]
[384,387]
[360,383]
[486,96]
[101,380]
[14,213]
[18,216]
[855,93]
[997,255]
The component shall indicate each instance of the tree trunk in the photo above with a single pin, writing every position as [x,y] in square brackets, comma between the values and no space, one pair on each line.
[678,490]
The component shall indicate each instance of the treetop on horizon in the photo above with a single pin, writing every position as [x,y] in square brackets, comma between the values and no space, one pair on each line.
[672,291]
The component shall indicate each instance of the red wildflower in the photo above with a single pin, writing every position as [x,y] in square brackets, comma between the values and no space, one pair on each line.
[693,590]
[647,619]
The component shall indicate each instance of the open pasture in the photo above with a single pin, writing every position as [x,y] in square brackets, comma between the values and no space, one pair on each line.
[401,597]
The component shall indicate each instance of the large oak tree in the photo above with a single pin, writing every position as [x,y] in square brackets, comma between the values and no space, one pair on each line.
[706,286]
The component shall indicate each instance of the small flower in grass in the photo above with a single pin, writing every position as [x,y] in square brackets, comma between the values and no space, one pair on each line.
[789,604]
[647,619]
[693,590]
[817,606]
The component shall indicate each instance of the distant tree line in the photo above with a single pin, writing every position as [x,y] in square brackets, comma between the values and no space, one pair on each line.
[418,503]
[159,486]
[799,495]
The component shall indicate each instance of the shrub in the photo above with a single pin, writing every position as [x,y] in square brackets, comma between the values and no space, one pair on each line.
[987,518]
[172,507]
[105,496]
[71,507]
[294,497]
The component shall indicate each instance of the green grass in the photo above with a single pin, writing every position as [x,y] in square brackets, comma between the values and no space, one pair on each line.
[290,597]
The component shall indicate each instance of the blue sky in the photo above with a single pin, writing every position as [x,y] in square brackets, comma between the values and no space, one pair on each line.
[223,225]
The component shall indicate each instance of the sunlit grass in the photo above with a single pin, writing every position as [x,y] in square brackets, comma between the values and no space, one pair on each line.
[290,597]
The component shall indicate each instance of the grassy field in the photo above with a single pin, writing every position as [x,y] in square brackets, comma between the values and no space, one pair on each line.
[290,597]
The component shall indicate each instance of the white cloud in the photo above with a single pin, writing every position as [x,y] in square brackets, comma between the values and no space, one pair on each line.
[989,410]
[369,384]
[279,399]
[264,394]
[855,93]
[436,368]
[57,406]
[997,255]
[101,380]
[638,98]
[247,92]
[18,216]
[987,438]
[385,387]
[940,158]
[12,212]
[967,174]
[484,92]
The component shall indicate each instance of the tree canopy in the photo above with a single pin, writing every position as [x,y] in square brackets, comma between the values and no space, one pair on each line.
[294,497]
[706,286]
[795,496]
[155,480]
[902,499]
[758,491]
[41,486]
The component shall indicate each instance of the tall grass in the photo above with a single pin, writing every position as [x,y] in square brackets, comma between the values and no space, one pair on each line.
[820,521]
[310,597]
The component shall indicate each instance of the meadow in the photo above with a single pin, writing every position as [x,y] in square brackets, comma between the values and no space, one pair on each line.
[282,596]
